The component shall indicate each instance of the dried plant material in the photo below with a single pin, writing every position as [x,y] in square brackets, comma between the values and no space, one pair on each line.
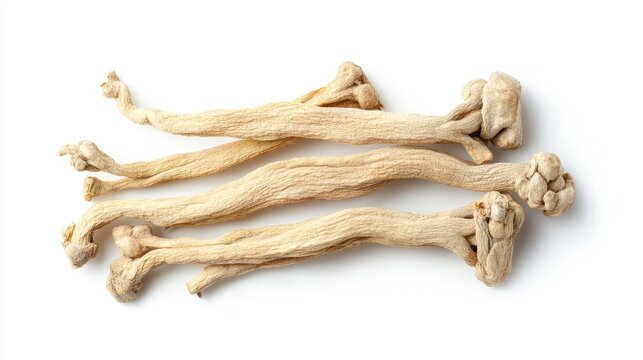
[490,225]
[181,166]
[350,88]
[491,110]
[541,182]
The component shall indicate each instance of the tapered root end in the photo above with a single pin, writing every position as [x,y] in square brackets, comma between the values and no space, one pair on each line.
[128,239]
[201,282]
[498,221]
[194,287]
[546,186]
[213,274]
[123,282]
[501,113]
[112,86]
[77,252]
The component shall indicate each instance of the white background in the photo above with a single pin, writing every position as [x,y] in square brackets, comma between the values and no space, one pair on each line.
[575,289]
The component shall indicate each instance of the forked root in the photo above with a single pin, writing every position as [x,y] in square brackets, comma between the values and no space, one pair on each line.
[490,224]
[350,88]
[491,110]
[541,182]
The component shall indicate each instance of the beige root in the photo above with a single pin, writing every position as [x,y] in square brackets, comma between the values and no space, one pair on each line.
[490,225]
[350,88]
[491,111]
[541,182]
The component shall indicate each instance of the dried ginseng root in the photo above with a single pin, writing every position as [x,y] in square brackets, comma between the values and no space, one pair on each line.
[541,182]
[482,233]
[350,88]
[491,111]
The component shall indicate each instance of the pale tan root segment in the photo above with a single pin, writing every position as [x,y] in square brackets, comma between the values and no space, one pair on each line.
[491,224]
[541,182]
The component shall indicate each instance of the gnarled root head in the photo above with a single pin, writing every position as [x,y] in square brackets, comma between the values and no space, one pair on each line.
[545,186]
[112,86]
[498,221]
[501,117]
[128,237]
[350,88]
[77,252]
[124,281]
[86,156]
